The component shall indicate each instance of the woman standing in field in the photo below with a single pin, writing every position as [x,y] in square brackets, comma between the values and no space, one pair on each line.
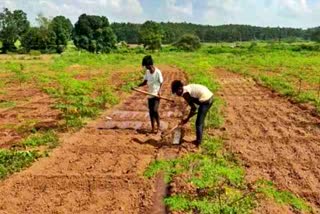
[153,78]
[194,94]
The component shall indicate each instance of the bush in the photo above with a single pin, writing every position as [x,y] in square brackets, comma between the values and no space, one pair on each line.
[253,45]
[188,42]
[34,53]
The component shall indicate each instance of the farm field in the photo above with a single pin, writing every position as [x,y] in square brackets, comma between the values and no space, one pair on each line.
[260,155]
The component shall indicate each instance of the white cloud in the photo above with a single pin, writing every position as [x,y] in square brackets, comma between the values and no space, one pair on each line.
[118,10]
[294,13]
[184,8]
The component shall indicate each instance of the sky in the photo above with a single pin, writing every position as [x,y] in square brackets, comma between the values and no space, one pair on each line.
[273,13]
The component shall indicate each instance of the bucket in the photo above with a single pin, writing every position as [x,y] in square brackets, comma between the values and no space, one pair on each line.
[177,135]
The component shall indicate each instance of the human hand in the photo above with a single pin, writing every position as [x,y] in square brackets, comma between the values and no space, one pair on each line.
[183,122]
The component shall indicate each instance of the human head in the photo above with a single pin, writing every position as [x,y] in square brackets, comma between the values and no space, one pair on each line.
[147,62]
[177,87]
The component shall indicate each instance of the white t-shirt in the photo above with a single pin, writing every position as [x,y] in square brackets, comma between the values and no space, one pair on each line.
[154,81]
[197,91]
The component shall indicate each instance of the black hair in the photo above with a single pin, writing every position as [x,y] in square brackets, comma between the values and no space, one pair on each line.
[175,85]
[147,60]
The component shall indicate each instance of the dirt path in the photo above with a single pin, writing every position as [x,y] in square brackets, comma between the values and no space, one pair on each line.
[275,139]
[96,171]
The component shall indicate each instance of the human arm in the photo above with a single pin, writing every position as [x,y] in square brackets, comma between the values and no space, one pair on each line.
[143,83]
[160,79]
[193,109]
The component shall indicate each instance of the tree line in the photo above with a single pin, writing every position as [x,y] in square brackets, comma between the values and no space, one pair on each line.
[97,35]
[224,33]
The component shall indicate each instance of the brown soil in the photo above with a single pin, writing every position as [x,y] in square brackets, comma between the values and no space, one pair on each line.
[33,109]
[274,138]
[97,170]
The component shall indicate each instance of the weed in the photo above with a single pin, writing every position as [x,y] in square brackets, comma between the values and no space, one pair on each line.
[7,104]
[282,197]
[49,138]
[130,80]
[13,161]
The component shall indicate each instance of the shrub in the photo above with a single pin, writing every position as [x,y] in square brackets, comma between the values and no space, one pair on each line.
[188,42]
[35,53]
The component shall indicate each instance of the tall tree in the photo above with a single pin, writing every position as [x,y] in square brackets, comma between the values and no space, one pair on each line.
[315,34]
[62,28]
[43,21]
[38,38]
[151,35]
[13,25]
[93,33]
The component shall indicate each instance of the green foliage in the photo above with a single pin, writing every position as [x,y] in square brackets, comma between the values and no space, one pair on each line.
[80,99]
[35,53]
[130,80]
[315,35]
[17,69]
[278,83]
[283,197]
[7,104]
[13,25]
[223,33]
[39,38]
[62,28]
[220,180]
[49,138]
[188,42]
[93,33]
[128,32]
[151,35]
[12,161]
[207,206]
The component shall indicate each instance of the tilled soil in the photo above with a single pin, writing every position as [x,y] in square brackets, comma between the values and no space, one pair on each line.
[274,138]
[33,110]
[98,170]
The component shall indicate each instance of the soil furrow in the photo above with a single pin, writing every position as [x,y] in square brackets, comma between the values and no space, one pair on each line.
[98,171]
[276,139]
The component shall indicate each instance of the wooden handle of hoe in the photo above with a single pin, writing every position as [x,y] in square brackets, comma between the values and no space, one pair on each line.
[147,93]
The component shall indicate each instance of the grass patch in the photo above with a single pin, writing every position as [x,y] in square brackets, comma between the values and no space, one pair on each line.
[217,182]
[12,161]
[49,139]
[7,104]
[283,197]
[130,80]
[80,99]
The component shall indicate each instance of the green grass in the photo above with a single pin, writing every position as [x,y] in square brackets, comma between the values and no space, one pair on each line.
[12,161]
[218,180]
[79,99]
[131,79]
[49,139]
[7,104]
[283,197]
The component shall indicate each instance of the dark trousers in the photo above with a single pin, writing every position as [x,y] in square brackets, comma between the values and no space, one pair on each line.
[202,112]
[153,104]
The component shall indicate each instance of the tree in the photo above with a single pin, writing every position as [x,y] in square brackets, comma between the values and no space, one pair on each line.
[13,25]
[62,28]
[315,35]
[188,42]
[93,33]
[38,38]
[43,21]
[151,35]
